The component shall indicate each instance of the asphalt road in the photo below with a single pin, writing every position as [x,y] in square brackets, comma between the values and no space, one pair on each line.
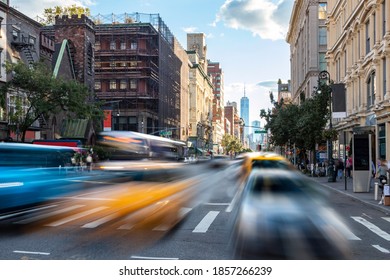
[82,226]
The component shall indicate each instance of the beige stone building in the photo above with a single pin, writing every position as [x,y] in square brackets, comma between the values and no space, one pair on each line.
[359,56]
[307,37]
[201,95]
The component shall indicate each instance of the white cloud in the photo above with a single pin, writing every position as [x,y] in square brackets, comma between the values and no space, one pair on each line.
[189,29]
[36,8]
[267,19]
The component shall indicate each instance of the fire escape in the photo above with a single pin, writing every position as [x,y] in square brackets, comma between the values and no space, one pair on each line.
[25,45]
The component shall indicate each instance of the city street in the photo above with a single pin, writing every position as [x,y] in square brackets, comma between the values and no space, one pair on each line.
[85,226]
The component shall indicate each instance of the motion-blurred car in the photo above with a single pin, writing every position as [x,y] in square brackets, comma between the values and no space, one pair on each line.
[31,173]
[262,160]
[283,215]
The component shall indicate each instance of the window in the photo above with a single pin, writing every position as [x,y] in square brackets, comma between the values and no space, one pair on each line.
[98,85]
[322,62]
[367,37]
[123,45]
[322,36]
[112,84]
[384,18]
[133,63]
[1,22]
[89,59]
[382,140]
[133,45]
[123,84]
[384,75]
[112,45]
[15,34]
[374,26]
[371,89]
[97,46]
[133,84]
[32,40]
[322,11]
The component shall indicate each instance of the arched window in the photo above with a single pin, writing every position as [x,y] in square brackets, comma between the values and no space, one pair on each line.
[371,89]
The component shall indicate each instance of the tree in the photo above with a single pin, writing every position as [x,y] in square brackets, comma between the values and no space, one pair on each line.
[231,144]
[302,124]
[37,93]
[50,14]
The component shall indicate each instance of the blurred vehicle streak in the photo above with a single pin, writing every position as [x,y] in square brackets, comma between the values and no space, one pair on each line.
[31,173]
[284,215]
[255,160]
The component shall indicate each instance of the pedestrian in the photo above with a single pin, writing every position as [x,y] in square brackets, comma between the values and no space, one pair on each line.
[381,174]
[89,160]
[348,167]
[340,168]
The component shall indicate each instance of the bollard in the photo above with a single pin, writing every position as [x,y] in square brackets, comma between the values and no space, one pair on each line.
[376,191]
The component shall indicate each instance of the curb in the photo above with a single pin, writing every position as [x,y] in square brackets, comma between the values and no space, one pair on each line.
[371,204]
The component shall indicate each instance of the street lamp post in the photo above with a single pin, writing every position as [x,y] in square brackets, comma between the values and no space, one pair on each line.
[324,75]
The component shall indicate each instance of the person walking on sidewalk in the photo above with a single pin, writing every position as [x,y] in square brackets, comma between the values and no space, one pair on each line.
[348,167]
[381,174]
[340,168]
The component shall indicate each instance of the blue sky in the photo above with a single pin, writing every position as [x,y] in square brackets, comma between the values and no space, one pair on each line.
[247,37]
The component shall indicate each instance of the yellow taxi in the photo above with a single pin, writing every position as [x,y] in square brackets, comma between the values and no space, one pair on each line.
[266,160]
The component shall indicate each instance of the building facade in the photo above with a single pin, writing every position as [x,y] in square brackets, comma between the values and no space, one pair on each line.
[201,95]
[217,77]
[20,41]
[138,74]
[359,57]
[307,37]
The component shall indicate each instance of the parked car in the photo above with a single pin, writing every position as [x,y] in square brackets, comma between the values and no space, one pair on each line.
[284,215]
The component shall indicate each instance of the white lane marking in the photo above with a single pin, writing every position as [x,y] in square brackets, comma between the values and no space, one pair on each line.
[232,203]
[126,226]
[76,216]
[29,252]
[46,215]
[152,258]
[85,181]
[216,204]
[364,214]
[386,219]
[372,227]
[24,212]
[205,223]
[383,250]
[100,221]
[184,211]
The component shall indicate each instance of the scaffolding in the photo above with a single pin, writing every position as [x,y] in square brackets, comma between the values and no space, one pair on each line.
[135,64]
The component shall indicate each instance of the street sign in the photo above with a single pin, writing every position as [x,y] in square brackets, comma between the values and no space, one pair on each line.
[261,131]
[166,133]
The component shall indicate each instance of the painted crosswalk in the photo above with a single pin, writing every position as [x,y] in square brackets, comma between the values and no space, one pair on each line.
[88,217]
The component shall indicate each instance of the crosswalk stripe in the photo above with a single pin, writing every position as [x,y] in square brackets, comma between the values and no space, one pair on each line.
[383,250]
[372,227]
[386,219]
[100,221]
[47,215]
[76,216]
[205,223]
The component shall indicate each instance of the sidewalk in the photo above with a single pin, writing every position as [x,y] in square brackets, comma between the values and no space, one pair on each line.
[367,198]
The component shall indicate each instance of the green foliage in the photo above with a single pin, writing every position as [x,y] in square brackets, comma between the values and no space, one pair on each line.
[50,14]
[302,124]
[231,144]
[37,93]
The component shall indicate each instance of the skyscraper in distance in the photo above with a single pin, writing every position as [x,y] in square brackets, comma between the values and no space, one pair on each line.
[244,114]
